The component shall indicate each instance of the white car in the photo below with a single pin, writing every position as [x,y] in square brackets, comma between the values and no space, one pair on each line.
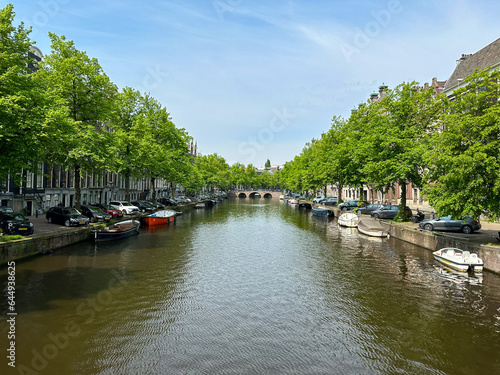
[318,198]
[126,207]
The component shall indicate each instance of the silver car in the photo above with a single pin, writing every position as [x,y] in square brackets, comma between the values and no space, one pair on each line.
[446,223]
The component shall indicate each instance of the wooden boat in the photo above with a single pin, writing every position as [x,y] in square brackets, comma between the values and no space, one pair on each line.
[117,231]
[348,219]
[371,230]
[322,211]
[159,218]
[460,260]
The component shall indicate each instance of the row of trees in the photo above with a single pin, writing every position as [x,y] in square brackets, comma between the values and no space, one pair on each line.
[66,111]
[448,147]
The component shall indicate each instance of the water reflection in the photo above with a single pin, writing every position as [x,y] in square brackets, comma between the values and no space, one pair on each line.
[256,287]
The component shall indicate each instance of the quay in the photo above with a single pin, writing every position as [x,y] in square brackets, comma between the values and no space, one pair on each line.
[484,242]
[49,237]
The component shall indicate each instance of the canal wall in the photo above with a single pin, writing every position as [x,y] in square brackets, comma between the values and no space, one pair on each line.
[39,243]
[434,241]
[44,242]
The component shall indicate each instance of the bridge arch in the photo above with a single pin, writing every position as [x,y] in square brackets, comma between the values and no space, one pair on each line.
[253,194]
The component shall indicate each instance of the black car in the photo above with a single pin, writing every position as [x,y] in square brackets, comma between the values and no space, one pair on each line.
[167,202]
[369,209]
[95,214]
[157,205]
[389,212]
[67,216]
[14,223]
[350,205]
[144,206]
[330,201]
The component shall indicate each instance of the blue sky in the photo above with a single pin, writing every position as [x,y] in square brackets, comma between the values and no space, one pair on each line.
[256,80]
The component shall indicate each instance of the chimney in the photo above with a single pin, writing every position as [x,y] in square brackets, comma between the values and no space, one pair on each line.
[463,57]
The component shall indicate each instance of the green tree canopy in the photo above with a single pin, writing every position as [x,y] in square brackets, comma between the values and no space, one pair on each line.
[21,100]
[464,157]
[86,97]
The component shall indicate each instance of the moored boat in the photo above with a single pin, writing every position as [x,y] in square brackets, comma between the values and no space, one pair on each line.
[322,211]
[460,260]
[348,219]
[371,230]
[117,231]
[306,205]
[159,218]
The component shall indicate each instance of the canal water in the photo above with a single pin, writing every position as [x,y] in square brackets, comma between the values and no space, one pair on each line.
[250,287]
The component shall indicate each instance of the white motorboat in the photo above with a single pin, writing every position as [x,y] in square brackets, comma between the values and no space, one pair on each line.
[371,229]
[460,260]
[348,219]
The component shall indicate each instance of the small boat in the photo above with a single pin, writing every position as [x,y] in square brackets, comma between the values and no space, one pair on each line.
[200,205]
[159,217]
[348,219]
[117,231]
[371,230]
[460,260]
[306,205]
[293,201]
[322,211]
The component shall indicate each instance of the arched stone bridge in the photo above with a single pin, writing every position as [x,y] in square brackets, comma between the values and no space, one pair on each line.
[257,194]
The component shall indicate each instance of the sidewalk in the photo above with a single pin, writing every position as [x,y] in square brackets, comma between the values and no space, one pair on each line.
[485,235]
[43,227]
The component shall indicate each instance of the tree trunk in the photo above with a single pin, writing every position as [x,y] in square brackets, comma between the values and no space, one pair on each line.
[340,200]
[153,190]
[403,212]
[127,186]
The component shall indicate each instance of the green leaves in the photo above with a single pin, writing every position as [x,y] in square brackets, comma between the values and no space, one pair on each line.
[21,117]
[464,158]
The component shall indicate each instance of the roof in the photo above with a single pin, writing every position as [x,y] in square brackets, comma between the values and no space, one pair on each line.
[488,56]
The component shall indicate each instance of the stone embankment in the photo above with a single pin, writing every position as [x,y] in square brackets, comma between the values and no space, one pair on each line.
[482,242]
[49,237]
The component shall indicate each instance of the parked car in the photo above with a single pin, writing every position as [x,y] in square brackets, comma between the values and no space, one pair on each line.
[144,206]
[67,216]
[350,205]
[318,198]
[95,214]
[15,223]
[330,201]
[115,213]
[389,212]
[446,223]
[6,209]
[167,202]
[126,207]
[369,208]
[157,205]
